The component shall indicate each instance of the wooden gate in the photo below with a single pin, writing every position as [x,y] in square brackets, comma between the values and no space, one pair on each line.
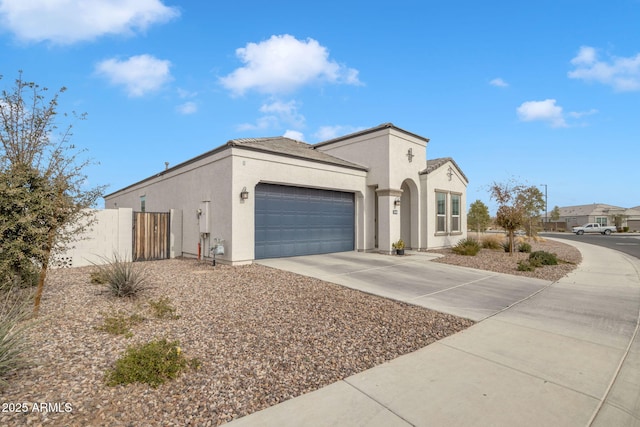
[151,235]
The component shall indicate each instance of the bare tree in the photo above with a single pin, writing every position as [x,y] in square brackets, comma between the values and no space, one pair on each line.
[42,180]
[518,205]
[510,214]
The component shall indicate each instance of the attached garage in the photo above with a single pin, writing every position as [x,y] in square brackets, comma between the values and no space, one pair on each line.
[292,221]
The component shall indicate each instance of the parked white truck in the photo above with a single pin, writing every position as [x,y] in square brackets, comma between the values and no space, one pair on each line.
[594,228]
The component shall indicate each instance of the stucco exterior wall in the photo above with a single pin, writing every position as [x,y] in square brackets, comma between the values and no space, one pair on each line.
[219,181]
[439,181]
[394,158]
[251,168]
[187,188]
[109,234]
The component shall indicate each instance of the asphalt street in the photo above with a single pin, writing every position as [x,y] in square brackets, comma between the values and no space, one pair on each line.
[623,242]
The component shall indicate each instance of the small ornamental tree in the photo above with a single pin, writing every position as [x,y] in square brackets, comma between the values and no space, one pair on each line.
[531,200]
[43,199]
[478,217]
[510,214]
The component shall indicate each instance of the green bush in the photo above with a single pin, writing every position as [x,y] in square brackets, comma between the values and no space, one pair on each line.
[505,246]
[467,247]
[152,363]
[543,258]
[526,266]
[123,278]
[24,275]
[162,309]
[524,247]
[120,324]
[14,314]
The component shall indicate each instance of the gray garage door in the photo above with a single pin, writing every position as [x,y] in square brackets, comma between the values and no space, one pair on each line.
[302,221]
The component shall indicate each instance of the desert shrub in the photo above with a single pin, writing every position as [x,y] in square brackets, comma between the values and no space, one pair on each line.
[524,247]
[505,246]
[162,309]
[120,323]
[97,278]
[24,274]
[525,265]
[543,258]
[492,242]
[15,311]
[152,363]
[123,277]
[467,247]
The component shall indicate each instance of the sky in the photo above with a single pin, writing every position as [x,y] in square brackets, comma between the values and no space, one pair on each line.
[546,93]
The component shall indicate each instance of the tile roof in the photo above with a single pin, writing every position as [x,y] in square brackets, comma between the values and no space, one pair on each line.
[590,210]
[434,164]
[290,147]
[370,130]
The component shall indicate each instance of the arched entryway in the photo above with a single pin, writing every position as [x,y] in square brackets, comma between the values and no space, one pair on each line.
[409,214]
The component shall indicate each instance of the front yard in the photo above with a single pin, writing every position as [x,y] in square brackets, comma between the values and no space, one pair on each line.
[261,336]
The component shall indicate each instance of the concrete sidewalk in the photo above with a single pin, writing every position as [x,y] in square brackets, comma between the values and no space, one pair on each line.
[568,355]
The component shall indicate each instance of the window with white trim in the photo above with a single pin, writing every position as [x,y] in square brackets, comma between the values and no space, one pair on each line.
[455,212]
[441,212]
[602,220]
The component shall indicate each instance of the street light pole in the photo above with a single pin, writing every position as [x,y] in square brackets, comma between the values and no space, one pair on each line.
[546,206]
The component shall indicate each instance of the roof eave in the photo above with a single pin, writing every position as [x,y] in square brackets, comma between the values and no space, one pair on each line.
[368,131]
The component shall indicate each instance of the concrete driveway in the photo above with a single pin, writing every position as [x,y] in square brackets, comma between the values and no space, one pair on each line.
[464,292]
[568,355]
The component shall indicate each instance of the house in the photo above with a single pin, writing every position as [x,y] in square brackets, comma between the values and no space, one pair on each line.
[633,218]
[276,197]
[571,216]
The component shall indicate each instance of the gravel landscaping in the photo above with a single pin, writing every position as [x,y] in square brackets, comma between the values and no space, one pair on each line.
[503,262]
[261,335]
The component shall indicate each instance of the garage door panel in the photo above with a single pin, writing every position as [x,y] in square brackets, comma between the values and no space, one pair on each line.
[293,221]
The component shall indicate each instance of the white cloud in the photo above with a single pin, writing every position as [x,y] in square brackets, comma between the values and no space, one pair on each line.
[286,112]
[187,108]
[586,56]
[138,74]
[276,114]
[294,134]
[622,74]
[283,64]
[580,114]
[70,21]
[263,123]
[545,111]
[186,94]
[498,82]
[325,133]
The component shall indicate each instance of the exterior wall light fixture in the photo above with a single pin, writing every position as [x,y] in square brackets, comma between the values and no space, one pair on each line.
[244,194]
[396,202]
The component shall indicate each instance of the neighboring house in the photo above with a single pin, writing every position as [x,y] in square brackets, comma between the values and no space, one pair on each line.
[599,213]
[275,197]
[633,218]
